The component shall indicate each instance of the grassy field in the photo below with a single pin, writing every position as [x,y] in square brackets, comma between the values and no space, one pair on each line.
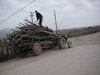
[76,32]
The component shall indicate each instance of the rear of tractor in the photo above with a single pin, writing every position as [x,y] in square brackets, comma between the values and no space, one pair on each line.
[62,41]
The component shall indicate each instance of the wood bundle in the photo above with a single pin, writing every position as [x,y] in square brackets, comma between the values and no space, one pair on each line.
[29,33]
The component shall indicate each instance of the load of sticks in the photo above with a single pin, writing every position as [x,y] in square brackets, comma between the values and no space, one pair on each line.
[29,33]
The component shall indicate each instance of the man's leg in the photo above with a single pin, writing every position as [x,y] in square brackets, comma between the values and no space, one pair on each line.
[40,21]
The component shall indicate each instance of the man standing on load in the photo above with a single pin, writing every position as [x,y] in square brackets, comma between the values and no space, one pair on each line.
[39,17]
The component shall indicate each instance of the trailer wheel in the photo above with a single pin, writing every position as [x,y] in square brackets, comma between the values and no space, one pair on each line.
[37,49]
[69,44]
[62,43]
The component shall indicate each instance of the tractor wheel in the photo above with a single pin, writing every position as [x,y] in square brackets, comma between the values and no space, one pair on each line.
[37,49]
[62,43]
[69,44]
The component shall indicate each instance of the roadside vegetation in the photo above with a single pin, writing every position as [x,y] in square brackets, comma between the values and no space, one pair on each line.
[76,32]
[5,53]
[85,32]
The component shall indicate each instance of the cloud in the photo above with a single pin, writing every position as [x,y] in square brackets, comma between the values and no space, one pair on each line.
[91,4]
[87,3]
[70,13]
[69,8]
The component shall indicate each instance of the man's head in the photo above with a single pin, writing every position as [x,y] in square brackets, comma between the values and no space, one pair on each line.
[36,11]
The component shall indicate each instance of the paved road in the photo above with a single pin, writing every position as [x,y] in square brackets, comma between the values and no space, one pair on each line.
[79,60]
[82,60]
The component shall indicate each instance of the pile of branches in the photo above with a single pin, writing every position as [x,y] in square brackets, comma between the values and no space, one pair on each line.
[27,33]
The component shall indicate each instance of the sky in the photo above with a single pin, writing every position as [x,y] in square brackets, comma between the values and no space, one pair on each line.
[70,13]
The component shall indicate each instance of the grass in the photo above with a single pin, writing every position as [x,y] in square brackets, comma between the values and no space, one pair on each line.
[78,34]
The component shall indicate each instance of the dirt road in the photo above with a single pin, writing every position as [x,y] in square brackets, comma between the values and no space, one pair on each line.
[82,59]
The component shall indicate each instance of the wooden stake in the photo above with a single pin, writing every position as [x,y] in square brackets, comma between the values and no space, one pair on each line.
[55,20]
[31,16]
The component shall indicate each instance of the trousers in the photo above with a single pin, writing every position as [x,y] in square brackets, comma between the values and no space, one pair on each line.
[40,21]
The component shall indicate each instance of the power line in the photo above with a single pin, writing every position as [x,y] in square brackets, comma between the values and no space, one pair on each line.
[16,12]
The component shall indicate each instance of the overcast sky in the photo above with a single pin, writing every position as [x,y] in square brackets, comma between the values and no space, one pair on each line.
[70,13]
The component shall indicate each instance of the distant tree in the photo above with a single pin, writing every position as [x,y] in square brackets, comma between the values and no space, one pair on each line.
[89,27]
[75,30]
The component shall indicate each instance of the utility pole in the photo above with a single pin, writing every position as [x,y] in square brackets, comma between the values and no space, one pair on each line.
[31,16]
[55,20]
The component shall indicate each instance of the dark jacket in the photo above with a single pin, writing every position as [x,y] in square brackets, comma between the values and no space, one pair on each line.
[38,16]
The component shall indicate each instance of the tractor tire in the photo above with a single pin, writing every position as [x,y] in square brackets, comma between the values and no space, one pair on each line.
[69,44]
[37,49]
[62,43]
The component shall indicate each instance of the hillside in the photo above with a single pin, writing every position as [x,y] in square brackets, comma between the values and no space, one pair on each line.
[3,32]
[80,31]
